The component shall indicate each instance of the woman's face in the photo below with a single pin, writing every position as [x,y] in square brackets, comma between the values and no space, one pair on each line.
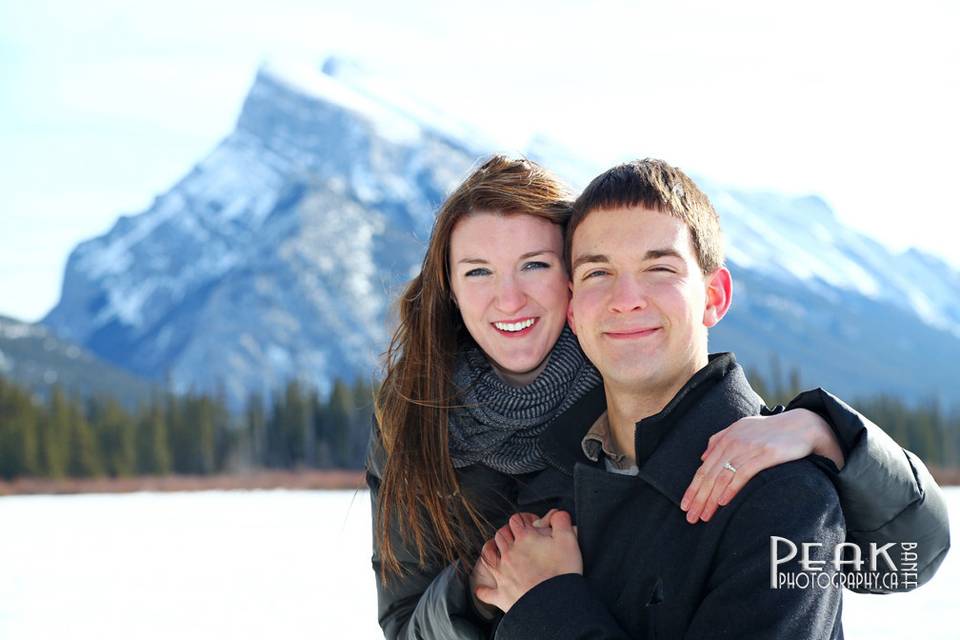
[508,280]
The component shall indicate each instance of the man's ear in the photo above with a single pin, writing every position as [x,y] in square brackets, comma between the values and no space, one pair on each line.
[719,296]
[570,322]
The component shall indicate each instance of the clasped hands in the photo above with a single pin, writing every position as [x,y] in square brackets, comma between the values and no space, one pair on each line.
[523,553]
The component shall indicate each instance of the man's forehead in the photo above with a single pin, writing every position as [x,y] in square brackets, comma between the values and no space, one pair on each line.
[633,230]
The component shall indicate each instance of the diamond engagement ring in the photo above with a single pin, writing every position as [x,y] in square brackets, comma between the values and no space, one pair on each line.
[727,465]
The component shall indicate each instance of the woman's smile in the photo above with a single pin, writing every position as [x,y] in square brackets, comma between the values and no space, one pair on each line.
[515,328]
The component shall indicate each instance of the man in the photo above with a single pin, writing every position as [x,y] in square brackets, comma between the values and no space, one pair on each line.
[647,278]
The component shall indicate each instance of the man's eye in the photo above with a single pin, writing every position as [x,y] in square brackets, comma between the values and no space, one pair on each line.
[595,273]
[535,265]
[663,268]
[479,271]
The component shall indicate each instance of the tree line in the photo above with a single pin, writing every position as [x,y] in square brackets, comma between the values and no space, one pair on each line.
[298,428]
[192,433]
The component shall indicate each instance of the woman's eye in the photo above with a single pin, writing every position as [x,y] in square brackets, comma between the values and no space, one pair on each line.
[535,265]
[479,271]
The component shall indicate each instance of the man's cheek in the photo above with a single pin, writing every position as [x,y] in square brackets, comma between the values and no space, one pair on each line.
[585,301]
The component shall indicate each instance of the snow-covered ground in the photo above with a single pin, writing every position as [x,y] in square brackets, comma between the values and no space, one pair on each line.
[262,564]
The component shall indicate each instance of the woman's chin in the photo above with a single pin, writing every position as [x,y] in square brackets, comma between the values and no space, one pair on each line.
[520,371]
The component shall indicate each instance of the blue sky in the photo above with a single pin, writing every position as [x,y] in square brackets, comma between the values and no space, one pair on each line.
[105,104]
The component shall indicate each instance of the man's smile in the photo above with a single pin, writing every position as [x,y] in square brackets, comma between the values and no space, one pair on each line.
[628,333]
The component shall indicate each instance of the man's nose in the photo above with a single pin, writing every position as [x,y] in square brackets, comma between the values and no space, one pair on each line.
[510,296]
[628,294]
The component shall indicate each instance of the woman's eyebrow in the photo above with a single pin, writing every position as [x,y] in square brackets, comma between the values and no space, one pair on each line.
[529,254]
[537,253]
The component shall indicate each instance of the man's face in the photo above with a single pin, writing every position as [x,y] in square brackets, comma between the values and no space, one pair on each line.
[641,305]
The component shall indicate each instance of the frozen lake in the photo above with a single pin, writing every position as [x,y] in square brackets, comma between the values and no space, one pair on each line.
[263,564]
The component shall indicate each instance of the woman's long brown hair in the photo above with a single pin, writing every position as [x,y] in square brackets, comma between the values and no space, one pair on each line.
[419,487]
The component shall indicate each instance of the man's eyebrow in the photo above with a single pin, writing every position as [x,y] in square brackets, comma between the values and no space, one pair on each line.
[529,254]
[653,254]
[584,259]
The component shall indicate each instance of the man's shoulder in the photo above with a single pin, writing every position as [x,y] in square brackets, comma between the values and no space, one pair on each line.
[796,471]
[798,486]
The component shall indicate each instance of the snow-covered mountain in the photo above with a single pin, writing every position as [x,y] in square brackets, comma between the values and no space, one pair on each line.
[36,359]
[279,255]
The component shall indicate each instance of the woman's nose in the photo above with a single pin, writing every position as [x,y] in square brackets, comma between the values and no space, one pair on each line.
[510,296]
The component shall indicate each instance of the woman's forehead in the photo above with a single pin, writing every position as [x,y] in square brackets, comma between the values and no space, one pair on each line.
[506,234]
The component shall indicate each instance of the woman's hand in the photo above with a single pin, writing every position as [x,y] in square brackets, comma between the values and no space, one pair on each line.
[751,445]
[521,556]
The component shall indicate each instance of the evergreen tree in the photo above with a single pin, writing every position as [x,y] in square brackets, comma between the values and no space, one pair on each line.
[360,423]
[178,433]
[54,434]
[256,429]
[153,443]
[83,460]
[298,420]
[339,409]
[311,454]
[759,384]
[199,418]
[19,424]
[116,437]
[794,386]
[277,454]
[321,429]
[224,440]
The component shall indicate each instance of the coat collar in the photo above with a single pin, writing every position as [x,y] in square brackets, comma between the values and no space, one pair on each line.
[561,442]
[714,398]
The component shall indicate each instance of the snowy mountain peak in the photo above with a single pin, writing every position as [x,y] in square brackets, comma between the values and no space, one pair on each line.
[337,66]
[322,87]
[279,254]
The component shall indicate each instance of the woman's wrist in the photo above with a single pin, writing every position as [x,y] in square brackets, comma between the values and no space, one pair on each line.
[823,439]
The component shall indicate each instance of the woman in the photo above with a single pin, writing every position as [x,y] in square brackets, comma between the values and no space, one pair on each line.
[482,364]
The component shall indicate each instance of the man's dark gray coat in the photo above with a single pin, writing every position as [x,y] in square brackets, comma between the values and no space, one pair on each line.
[650,574]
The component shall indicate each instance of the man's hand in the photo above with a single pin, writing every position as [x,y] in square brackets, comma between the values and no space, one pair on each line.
[521,556]
[751,445]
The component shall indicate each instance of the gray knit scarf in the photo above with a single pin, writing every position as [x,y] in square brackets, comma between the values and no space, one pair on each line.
[499,424]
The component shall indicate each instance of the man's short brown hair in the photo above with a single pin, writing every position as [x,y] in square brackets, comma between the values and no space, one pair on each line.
[655,185]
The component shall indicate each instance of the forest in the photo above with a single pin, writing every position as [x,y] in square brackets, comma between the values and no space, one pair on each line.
[196,434]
